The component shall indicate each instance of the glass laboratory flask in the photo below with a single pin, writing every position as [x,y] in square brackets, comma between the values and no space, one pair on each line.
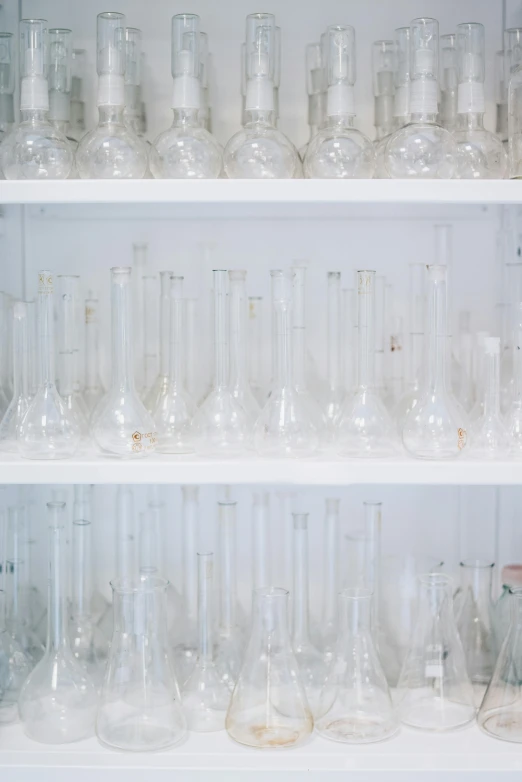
[383,62]
[59,79]
[269,707]
[513,75]
[489,435]
[239,382]
[94,390]
[120,424]
[449,81]
[434,691]
[160,383]
[513,418]
[58,700]
[334,395]
[15,667]
[355,706]
[417,318]
[13,416]
[7,86]
[5,390]
[511,578]
[68,350]
[140,705]
[436,427]
[327,635]
[185,641]
[48,430]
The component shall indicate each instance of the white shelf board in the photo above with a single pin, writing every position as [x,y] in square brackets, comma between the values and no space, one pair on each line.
[292,191]
[88,467]
[409,755]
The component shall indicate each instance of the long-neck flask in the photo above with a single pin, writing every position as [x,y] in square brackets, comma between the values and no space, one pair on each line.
[221,424]
[139,263]
[77,105]
[7,85]
[68,326]
[120,425]
[239,382]
[513,47]
[436,427]
[284,427]
[383,61]
[364,427]
[14,415]
[401,108]
[229,643]
[269,707]
[315,90]
[331,577]
[186,641]
[501,85]
[94,389]
[132,111]
[348,353]
[335,392]
[150,331]
[48,430]
[489,435]
[256,377]
[449,82]
[261,571]
[514,412]
[15,667]
[205,695]
[160,384]
[111,150]
[59,79]
[58,700]
[5,391]
[434,691]
[355,706]
[300,351]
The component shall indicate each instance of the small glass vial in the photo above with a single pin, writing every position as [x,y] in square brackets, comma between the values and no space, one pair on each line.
[7,84]
[339,151]
[383,57]
[448,82]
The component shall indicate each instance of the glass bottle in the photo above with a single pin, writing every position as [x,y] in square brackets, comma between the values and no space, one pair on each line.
[77,105]
[7,85]
[67,354]
[422,149]
[315,87]
[355,706]
[186,637]
[140,705]
[205,695]
[480,153]
[111,150]
[513,47]
[383,61]
[58,700]
[489,435]
[120,424]
[364,427]
[35,149]
[449,81]
[501,85]
[15,667]
[239,383]
[13,416]
[402,76]
[59,78]
[94,390]
[284,426]
[259,150]
[48,430]
[339,151]
[331,578]
[300,352]
[261,570]
[417,304]
[335,392]
[434,691]
[435,428]
[255,349]
[160,384]
[186,150]
[513,417]
[269,707]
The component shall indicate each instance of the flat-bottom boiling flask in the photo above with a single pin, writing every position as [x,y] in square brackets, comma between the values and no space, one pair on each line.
[140,705]
[15,667]
[269,707]
[434,691]
[355,706]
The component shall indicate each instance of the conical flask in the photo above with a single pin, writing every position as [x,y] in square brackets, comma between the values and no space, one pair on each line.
[48,430]
[58,700]
[489,435]
[269,707]
[13,416]
[434,691]
[239,382]
[15,667]
[120,424]
[355,705]
[140,705]
[205,695]
[500,714]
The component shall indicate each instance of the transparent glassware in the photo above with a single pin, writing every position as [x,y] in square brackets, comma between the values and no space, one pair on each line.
[434,691]
[449,81]
[139,264]
[511,578]
[256,377]
[150,333]
[48,430]
[58,700]
[259,150]
[269,707]
[499,714]
[383,63]
[205,110]
[402,77]
[120,424]
[59,80]
[331,578]
[436,427]
[339,150]
[186,150]
[67,351]
[355,706]
[334,395]
[94,389]
[185,639]
[239,382]
[5,392]
[513,48]
[489,435]
[315,78]
[15,412]
[480,153]
[513,417]
[132,111]
[422,149]
[284,426]
[364,427]
[381,316]
[111,150]
[77,104]
[160,383]
[35,149]
[205,695]
[140,705]
[15,667]
[7,86]
[261,564]
[220,423]
[501,95]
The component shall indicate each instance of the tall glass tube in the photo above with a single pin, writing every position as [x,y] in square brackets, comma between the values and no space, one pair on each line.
[239,382]
[513,47]
[348,339]
[300,353]
[139,263]
[126,565]
[68,348]
[514,412]
[159,384]
[14,415]
[261,539]
[7,84]
[5,394]
[59,78]
[94,389]
[230,641]
[331,576]
[449,81]
[255,348]
[489,435]
[150,329]
[335,391]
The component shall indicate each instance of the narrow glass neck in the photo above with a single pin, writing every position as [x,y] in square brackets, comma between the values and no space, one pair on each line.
[470,121]
[355,612]
[165,284]
[238,332]
[517,361]
[416,359]
[331,561]
[382,131]
[477,578]
[283,344]
[45,318]
[61,125]
[299,352]
[92,360]
[255,341]
[423,117]
[81,567]
[122,366]
[16,575]
[228,575]
[340,121]
[110,115]
[301,587]
[186,118]
[372,530]
[34,115]
[205,594]
[221,354]
[56,606]
[270,616]
[177,332]
[491,384]
[435,597]
[334,331]
[437,328]
[20,356]
[257,116]
[366,330]
[189,534]
[260,537]
[125,534]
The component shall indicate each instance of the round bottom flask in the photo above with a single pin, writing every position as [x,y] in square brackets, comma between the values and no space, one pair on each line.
[480,155]
[186,153]
[260,151]
[36,150]
[111,151]
[339,153]
[421,150]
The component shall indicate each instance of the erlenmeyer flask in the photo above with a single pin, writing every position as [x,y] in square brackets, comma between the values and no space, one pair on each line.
[436,427]
[355,705]
[417,308]
[205,695]
[94,390]
[284,426]
[140,706]
[434,691]
[229,643]
[474,623]
[185,639]
[364,427]
[58,700]
[261,570]
[489,435]
[120,424]
[47,431]
[329,616]
[513,417]
[239,382]
[334,394]
[13,416]
[269,707]
[160,384]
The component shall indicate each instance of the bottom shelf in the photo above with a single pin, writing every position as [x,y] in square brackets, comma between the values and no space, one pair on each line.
[410,754]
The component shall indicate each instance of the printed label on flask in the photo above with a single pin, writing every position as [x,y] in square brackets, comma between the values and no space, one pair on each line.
[143,441]
[462,436]
[45,282]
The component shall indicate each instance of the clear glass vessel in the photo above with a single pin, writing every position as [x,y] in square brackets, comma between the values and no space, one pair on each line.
[15,667]
[205,110]
[335,391]
[513,418]
[59,79]
[259,150]
[94,389]
[14,414]
[5,390]
[120,424]
[185,639]
[339,150]
[501,90]
[77,104]
[160,383]
[315,87]
[422,149]
[402,76]
[150,333]
[513,48]
[111,150]
[239,382]
[384,63]
[35,149]
[132,111]
[328,629]
[68,385]
[256,376]
[269,707]
[186,150]
[489,435]
[480,153]
[511,578]
[261,570]
[7,85]
[58,700]
[449,81]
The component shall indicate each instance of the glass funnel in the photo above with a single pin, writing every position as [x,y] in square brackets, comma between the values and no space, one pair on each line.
[14,415]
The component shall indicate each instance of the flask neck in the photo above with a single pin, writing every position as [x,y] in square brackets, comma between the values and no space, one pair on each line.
[122,365]
[92,361]
[331,566]
[355,613]
[299,348]
[111,115]
[177,341]
[270,616]
[422,117]
[340,121]
[365,330]
[470,121]
[283,346]
[301,628]
[333,359]
[416,358]
[61,125]
[228,574]
[205,577]
[189,532]
[502,121]
[45,317]
[34,116]
[57,591]
[165,283]
[221,349]
[186,118]
[492,384]
[260,117]
[437,330]
[238,328]
[476,578]
[81,563]
[15,579]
